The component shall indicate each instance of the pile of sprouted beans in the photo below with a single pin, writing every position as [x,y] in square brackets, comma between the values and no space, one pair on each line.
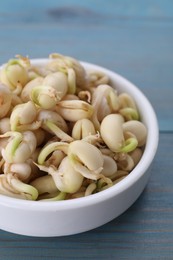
[65,132]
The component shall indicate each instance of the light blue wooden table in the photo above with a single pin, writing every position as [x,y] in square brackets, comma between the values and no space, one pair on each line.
[135,39]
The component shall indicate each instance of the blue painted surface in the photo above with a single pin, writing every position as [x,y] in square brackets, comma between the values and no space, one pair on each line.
[135,39]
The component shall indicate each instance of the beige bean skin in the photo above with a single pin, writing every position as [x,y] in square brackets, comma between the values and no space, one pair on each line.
[22,187]
[56,125]
[127,164]
[66,178]
[25,94]
[14,73]
[74,110]
[58,81]
[26,148]
[59,62]
[88,154]
[52,116]
[3,144]
[97,78]
[19,147]
[136,155]
[112,132]
[22,170]
[103,110]
[70,97]
[23,114]
[125,100]
[5,100]
[51,147]
[138,129]
[40,135]
[86,159]
[103,94]
[4,125]
[83,128]
[6,189]
[55,158]
[44,184]
[109,166]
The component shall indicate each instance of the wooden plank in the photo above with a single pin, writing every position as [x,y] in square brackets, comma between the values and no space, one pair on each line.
[136,41]
[145,231]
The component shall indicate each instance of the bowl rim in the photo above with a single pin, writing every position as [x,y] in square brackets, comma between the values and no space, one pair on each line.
[127,182]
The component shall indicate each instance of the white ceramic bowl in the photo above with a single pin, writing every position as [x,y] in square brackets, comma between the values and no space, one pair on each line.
[46,219]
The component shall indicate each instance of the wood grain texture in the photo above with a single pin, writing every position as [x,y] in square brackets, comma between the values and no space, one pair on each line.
[135,39]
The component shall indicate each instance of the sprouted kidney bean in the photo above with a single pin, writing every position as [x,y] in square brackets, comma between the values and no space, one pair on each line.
[65,132]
